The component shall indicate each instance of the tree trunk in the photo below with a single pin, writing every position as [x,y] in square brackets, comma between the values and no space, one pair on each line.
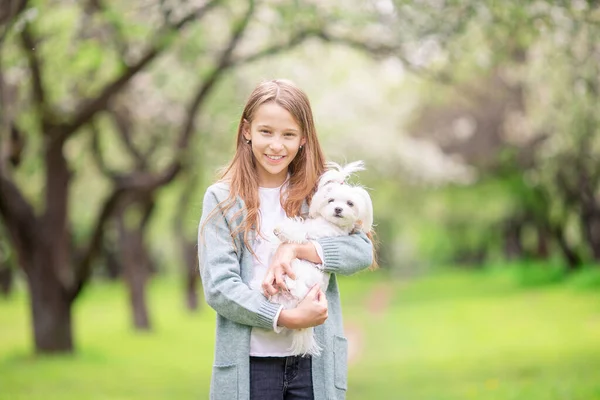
[571,257]
[112,264]
[51,310]
[590,222]
[41,245]
[189,249]
[192,275]
[542,250]
[45,259]
[135,267]
[513,248]
[6,279]
[191,293]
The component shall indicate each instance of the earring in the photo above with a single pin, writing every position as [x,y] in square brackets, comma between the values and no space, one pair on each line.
[301,147]
[248,141]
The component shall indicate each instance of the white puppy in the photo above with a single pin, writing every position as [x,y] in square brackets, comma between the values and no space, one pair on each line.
[336,209]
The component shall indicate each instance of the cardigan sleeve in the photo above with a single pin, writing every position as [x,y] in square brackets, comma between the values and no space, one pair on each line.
[346,255]
[224,289]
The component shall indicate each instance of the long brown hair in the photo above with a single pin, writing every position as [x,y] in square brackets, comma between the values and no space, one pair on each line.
[304,170]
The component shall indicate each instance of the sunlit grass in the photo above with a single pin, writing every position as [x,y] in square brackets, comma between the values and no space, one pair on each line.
[450,336]
[471,335]
[112,361]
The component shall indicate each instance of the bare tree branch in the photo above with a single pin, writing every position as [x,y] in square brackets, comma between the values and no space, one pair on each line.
[18,215]
[196,15]
[155,144]
[190,184]
[97,153]
[294,41]
[223,64]
[146,181]
[383,50]
[9,11]
[87,110]
[115,32]
[29,44]
[148,207]
[124,127]
[83,264]
[85,113]
[4,117]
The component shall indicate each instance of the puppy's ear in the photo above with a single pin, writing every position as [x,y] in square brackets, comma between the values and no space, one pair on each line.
[330,177]
[338,174]
[317,202]
[365,214]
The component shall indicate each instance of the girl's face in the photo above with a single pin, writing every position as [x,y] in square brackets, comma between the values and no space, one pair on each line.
[276,139]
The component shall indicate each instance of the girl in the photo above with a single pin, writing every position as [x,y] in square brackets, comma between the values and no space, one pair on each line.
[273,174]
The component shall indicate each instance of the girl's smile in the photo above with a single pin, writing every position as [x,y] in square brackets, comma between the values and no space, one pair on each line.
[275,159]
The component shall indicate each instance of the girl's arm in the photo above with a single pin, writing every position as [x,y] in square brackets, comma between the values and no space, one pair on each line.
[346,255]
[343,255]
[224,289]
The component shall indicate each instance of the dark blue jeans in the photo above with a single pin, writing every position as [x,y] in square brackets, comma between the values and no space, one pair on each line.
[281,378]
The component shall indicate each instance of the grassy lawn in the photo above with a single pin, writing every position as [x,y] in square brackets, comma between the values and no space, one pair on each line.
[450,336]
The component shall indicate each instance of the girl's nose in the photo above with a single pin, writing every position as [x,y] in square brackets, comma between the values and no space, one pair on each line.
[276,145]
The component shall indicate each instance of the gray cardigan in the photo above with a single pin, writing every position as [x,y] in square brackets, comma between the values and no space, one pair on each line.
[226,270]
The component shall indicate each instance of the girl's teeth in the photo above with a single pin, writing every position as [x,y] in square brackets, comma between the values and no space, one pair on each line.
[275,157]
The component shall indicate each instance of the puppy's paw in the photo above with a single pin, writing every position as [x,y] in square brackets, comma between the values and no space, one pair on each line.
[279,233]
[289,237]
[291,231]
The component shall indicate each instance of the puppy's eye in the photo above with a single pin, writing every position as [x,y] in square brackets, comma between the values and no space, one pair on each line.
[351,204]
[330,200]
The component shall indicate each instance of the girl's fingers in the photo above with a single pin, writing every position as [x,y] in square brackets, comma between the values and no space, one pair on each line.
[279,282]
[322,298]
[289,271]
[272,289]
[265,283]
[313,293]
[268,288]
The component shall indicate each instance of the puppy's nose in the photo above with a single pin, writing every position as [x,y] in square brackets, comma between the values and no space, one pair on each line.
[338,210]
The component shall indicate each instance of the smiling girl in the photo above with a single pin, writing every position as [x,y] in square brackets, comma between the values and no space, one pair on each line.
[273,175]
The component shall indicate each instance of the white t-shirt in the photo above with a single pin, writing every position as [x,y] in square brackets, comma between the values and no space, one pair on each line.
[278,341]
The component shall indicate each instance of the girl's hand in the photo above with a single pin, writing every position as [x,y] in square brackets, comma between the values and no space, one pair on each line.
[311,311]
[281,265]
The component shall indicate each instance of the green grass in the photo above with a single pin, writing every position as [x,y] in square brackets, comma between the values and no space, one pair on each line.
[450,336]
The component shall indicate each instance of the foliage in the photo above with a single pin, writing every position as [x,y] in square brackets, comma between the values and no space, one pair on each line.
[586,279]
[531,273]
[525,75]
[114,105]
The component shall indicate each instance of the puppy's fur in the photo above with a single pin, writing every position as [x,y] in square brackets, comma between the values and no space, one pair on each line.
[336,209]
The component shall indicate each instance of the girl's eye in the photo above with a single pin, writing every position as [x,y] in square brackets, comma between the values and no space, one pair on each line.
[351,204]
[290,134]
[330,201]
[264,132]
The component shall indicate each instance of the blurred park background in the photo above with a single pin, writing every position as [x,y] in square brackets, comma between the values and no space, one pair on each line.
[478,120]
